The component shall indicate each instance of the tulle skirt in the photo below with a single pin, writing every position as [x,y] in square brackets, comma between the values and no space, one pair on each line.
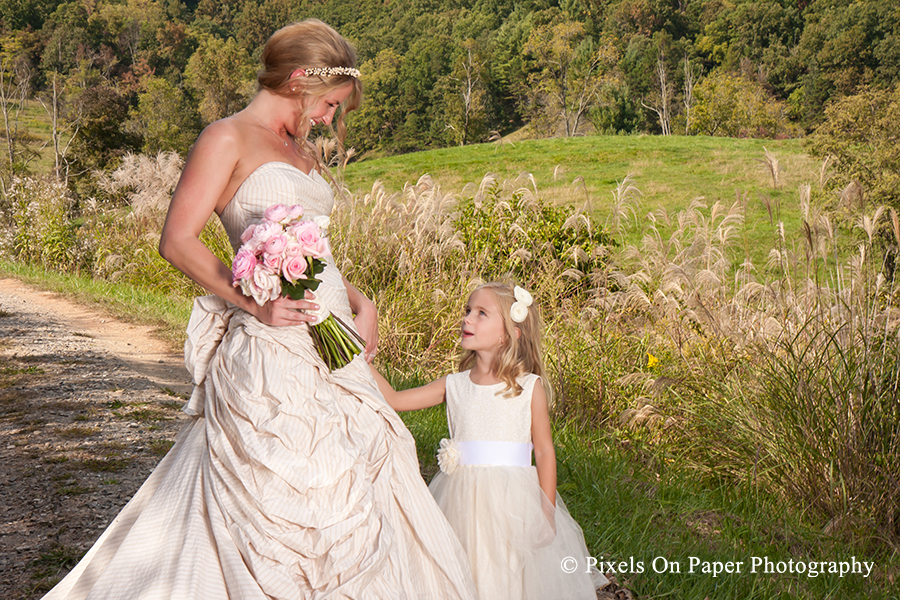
[519,546]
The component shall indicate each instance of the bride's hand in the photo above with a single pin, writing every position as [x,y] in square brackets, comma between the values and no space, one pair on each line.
[284,311]
[366,321]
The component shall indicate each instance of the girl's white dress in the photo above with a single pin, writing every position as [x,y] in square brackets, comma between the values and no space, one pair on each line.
[489,492]
[291,482]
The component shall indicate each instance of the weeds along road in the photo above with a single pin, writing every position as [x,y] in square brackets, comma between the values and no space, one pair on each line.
[88,406]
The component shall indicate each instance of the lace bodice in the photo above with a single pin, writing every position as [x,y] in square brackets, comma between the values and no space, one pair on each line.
[482,413]
[275,183]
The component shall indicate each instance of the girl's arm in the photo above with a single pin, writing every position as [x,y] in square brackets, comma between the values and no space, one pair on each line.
[430,394]
[542,438]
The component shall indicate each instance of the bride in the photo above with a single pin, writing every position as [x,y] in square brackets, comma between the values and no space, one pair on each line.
[291,481]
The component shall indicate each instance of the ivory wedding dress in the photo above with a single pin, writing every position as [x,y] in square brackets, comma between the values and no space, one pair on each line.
[291,481]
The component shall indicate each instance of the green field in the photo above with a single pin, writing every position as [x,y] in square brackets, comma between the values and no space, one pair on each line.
[670,173]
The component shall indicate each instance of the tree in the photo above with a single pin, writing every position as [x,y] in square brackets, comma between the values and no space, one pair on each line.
[71,37]
[164,118]
[468,114]
[374,123]
[15,80]
[572,72]
[843,47]
[734,106]
[691,75]
[862,133]
[99,112]
[52,101]
[258,20]
[661,97]
[223,75]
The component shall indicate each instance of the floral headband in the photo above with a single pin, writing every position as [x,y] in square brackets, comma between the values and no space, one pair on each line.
[518,312]
[326,72]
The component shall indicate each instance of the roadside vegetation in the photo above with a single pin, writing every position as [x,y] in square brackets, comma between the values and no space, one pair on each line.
[725,365]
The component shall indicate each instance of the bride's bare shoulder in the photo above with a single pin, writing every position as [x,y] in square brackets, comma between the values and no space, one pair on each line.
[224,131]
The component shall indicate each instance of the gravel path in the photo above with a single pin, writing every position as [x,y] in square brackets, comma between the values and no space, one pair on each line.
[88,406]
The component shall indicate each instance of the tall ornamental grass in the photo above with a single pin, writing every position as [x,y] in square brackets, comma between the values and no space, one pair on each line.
[781,376]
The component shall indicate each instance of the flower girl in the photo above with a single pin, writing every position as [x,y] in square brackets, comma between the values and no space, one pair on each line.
[520,539]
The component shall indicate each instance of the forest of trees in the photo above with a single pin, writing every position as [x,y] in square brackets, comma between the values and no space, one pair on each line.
[115,76]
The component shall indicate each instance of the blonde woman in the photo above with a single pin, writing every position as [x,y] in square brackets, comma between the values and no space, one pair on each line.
[291,481]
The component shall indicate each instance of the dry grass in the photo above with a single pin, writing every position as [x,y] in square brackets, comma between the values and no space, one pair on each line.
[780,373]
[681,339]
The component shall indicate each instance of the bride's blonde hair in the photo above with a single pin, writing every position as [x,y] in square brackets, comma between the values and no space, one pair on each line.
[306,45]
[517,355]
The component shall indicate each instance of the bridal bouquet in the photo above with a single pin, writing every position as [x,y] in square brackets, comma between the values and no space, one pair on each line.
[282,256]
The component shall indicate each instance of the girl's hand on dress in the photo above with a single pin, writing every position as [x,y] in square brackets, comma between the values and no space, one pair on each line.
[284,312]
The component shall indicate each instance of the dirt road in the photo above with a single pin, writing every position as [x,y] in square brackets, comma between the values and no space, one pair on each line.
[88,406]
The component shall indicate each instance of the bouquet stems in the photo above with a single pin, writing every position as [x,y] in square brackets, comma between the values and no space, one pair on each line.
[336,343]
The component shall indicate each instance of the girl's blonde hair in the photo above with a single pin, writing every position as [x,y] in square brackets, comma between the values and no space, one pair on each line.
[518,354]
[305,45]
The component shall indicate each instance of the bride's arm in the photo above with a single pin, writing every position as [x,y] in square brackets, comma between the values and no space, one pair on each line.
[204,180]
[366,319]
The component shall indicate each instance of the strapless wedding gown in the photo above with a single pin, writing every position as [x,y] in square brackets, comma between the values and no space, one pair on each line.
[291,481]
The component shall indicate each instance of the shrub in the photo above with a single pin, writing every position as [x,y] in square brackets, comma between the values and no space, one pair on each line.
[860,132]
[522,235]
[39,213]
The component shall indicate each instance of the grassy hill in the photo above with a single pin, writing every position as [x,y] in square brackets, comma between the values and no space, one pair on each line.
[670,173]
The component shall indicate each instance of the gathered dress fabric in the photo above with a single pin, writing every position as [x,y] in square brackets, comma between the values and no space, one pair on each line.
[520,546]
[291,481]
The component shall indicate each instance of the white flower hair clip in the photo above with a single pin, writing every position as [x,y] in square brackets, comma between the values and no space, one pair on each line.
[518,312]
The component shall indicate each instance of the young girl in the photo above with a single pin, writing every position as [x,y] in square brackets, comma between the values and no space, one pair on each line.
[513,525]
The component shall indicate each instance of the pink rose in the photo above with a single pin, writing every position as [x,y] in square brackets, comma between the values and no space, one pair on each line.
[243,264]
[293,268]
[320,249]
[295,212]
[276,212]
[248,234]
[293,249]
[276,244]
[264,231]
[272,262]
[307,234]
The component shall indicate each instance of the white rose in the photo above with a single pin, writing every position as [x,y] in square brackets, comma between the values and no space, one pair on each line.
[266,286]
[448,456]
[323,221]
[264,231]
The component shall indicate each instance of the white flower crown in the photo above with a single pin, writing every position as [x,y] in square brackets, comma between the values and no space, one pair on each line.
[329,71]
[518,312]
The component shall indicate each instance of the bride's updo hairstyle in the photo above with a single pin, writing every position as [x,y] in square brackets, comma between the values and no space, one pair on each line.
[310,44]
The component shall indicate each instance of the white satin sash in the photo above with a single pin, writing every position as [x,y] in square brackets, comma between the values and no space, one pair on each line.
[491,453]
